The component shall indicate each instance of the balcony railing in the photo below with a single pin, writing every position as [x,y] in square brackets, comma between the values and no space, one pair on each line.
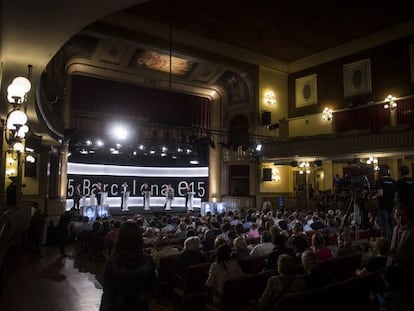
[331,145]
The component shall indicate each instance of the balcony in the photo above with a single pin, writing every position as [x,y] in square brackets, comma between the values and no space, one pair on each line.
[365,129]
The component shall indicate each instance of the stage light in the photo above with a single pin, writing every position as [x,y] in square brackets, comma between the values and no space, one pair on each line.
[120,132]
[194,161]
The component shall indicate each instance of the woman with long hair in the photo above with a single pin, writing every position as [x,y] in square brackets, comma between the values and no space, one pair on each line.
[129,275]
[222,270]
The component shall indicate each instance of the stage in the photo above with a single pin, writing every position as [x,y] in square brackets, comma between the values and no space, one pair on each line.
[156,210]
[93,211]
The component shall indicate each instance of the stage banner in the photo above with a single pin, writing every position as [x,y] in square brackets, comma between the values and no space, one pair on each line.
[111,177]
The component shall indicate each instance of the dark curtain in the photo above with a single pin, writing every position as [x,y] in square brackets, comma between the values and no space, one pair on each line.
[373,118]
[104,97]
[405,112]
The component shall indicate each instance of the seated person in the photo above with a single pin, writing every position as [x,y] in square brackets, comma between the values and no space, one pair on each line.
[345,245]
[240,250]
[265,246]
[285,282]
[190,255]
[319,247]
[221,270]
[208,242]
[314,276]
[253,232]
[298,241]
[279,248]
[111,237]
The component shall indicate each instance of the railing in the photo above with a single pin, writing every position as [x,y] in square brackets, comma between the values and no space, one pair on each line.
[14,225]
[235,203]
[398,139]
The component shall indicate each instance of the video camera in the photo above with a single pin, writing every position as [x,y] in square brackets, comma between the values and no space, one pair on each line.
[356,180]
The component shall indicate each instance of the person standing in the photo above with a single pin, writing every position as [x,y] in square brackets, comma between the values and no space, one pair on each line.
[266,205]
[77,194]
[98,191]
[124,197]
[188,199]
[129,276]
[399,273]
[11,192]
[63,232]
[146,196]
[405,190]
[169,197]
[385,196]
[37,225]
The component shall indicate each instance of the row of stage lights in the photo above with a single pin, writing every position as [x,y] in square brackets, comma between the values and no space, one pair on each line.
[119,142]
[91,148]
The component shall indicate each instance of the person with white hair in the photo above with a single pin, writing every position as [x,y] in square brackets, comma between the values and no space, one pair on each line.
[190,255]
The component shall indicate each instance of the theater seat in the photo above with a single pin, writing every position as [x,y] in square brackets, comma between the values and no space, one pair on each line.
[190,290]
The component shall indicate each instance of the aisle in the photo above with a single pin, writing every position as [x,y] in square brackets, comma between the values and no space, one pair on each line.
[51,283]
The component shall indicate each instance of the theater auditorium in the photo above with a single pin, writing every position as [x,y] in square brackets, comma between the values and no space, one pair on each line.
[206,155]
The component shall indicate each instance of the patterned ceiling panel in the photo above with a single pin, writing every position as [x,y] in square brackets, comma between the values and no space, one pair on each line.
[161,62]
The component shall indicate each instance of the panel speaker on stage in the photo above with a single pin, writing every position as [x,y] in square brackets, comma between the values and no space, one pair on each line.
[124,197]
[169,197]
[189,196]
[77,195]
[146,196]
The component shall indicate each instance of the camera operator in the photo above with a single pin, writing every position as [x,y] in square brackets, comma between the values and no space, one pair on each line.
[385,195]
[405,190]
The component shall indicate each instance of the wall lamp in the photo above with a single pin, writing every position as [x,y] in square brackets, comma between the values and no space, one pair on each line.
[390,102]
[327,114]
[270,98]
[17,90]
[276,175]
[304,167]
[14,126]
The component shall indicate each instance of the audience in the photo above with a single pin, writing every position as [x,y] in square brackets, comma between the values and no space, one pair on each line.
[210,237]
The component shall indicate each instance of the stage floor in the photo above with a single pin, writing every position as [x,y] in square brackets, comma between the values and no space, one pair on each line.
[133,210]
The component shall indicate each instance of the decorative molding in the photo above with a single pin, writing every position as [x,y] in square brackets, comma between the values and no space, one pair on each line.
[357,78]
[306,91]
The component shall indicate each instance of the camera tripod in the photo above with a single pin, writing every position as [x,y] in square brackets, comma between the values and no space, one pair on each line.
[353,205]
